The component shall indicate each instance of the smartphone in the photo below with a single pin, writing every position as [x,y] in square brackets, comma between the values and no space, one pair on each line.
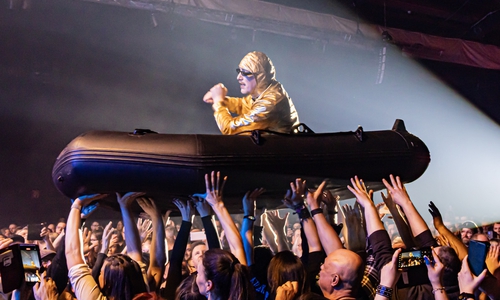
[34,231]
[414,258]
[30,256]
[477,256]
[19,263]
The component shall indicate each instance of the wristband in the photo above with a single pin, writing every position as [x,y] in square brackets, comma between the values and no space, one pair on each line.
[331,212]
[384,291]
[463,296]
[75,206]
[298,207]
[441,289]
[249,217]
[303,214]
[316,211]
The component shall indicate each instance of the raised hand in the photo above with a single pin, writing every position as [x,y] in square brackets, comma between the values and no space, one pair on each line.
[145,227]
[330,200]
[46,289]
[202,206]
[185,208]
[397,190]
[492,262]
[296,194]
[249,201]
[127,199]
[86,239]
[166,217]
[467,281]
[313,198]
[148,205]
[287,291]
[389,273]
[353,231]
[436,215]
[279,224]
[106,237]
[435,269]
[388,200]
[214,188]
[363,197]
[87,199]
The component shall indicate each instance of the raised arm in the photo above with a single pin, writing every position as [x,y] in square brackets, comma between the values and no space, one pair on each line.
[452,239]
[401,198]
[73,242]
[435,270]
[364,198]
[174,277]
[157,258]
[294,199]
[131,232]
[401,223]
[214,198]
[327,235]
[248,222]
[207,218]
[354,233]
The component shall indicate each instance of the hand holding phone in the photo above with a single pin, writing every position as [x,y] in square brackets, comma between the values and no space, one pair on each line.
[477,256]
[414,258]
[467,281]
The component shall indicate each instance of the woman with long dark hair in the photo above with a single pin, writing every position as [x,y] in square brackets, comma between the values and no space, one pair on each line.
[122,277]
[223,275]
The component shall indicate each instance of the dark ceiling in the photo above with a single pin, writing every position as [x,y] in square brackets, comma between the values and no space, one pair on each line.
[477,21]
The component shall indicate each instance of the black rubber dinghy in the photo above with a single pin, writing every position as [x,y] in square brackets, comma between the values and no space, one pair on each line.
[173,165]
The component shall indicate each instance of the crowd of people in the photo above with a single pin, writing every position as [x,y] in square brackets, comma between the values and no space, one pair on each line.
[314,249]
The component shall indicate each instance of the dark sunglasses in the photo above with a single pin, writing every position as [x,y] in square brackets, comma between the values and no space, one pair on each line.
[244,73]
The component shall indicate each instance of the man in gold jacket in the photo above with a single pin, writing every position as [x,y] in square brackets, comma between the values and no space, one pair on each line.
[266,105]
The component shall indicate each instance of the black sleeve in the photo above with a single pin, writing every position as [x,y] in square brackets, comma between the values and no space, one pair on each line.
[96,270]
[425,239]
[174,276]
[212,236]
[315,259]
[58,270]
[257,235]
[382,248]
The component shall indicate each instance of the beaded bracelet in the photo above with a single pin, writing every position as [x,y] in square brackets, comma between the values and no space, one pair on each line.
[442,289]
[384,291]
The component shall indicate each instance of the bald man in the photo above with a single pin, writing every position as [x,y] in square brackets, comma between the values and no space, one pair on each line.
[341,275]
[266,105]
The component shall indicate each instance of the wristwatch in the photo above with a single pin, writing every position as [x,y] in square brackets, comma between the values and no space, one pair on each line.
[249,217]
[464,296]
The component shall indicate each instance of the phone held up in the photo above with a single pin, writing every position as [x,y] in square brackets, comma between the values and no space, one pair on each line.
[414,258]
[19,263]
[477,256]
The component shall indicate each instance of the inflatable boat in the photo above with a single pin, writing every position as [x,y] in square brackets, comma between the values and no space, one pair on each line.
[173,165]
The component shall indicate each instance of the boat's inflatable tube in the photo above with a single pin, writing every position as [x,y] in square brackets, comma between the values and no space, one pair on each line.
[173,165]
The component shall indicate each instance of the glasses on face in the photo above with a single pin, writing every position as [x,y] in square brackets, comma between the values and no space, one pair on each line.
[243,72]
